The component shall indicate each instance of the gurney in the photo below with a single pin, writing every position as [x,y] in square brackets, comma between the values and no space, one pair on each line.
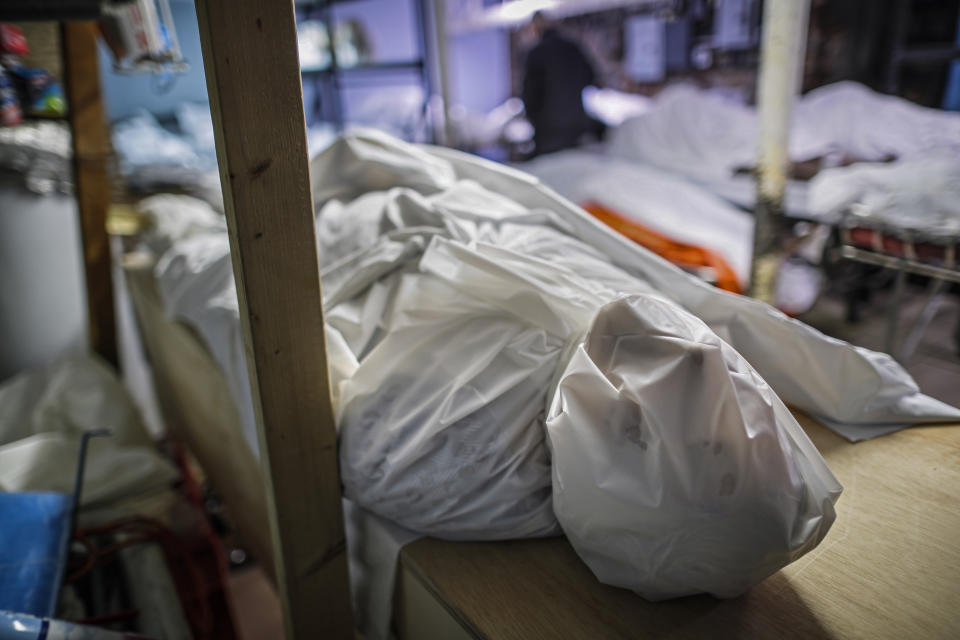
[675,177]
[902,216]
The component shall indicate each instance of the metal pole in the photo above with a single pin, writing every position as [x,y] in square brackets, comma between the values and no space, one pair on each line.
[893,312]
[927,314]
[901,24]
[781,66]
[81,465]
[440,35]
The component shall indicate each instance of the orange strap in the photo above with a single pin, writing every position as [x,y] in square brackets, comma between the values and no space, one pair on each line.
[680,254]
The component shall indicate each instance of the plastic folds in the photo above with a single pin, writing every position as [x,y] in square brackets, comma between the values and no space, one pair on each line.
[443,420]
[676,469]
[502,363]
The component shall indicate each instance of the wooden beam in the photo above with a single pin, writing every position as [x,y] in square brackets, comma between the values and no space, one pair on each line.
[91,151]
[253,78]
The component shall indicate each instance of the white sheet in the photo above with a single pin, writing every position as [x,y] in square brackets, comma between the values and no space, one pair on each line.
[707,139]
[658,199]
[919,194]
[43,413]
[612,107]
[701,135]
[869,126]
[41,152]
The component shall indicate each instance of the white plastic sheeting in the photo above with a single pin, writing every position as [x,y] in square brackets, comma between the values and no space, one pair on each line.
[612,107]
[644,406]
[697,133]
[41,152]
[660,200]
[43,413]
[686,125]
[676,469]
[918,195]
[444,414]
[871,126]
[446,276]
[141,142]
[708,139]
[182,217]
[675,207]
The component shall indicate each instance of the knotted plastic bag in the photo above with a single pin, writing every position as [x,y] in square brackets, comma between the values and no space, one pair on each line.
[676,469]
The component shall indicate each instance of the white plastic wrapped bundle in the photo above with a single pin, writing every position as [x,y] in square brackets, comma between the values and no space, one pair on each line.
[918,195]
[676,469]
[43,413]
[442,422]
[457,297]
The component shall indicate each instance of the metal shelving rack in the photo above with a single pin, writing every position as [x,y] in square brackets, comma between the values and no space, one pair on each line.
[328,81]
[903,55]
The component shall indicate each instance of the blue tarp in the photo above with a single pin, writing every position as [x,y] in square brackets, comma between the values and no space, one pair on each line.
[33,536]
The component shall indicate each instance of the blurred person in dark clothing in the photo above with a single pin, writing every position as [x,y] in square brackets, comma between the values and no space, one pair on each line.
[555,75]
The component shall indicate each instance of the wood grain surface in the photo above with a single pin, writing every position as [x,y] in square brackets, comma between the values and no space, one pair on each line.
[889,567]
[253,80]
[43,38]
[199,410]
[91,152]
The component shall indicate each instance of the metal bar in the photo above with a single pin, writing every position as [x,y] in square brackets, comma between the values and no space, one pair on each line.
[81,465]
[781,63]
[940,275]
[928,55]
[336,99]
[440,35]
[930,308]
[893,312]
[412,65]
[50,10]
[78,487]
[892,262]
[901,20]
[426,80]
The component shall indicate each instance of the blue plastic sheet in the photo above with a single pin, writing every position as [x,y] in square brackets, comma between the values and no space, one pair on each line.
[33,536]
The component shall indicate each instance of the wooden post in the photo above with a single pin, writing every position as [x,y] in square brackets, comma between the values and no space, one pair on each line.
[253,78]
[781,66]
[91,151]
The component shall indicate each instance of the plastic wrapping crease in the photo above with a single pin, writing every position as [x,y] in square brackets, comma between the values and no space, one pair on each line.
[676,469]
[43,413]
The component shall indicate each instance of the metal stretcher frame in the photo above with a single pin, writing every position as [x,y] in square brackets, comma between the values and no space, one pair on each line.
[903,266]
